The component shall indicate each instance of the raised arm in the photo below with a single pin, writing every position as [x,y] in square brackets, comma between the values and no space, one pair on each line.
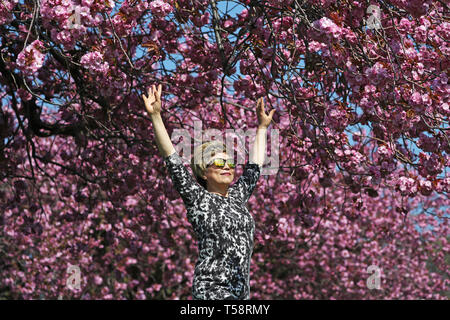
[259,148]
[189,190]
[153,106]
[252,170]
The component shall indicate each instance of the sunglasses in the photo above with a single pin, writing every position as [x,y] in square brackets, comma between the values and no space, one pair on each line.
[220,163]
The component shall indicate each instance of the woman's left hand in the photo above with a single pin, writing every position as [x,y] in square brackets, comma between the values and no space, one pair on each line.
[263,119]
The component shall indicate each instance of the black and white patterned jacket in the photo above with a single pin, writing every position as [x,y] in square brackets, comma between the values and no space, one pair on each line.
[224,229]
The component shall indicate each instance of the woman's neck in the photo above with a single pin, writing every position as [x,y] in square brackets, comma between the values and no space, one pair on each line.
[222,192]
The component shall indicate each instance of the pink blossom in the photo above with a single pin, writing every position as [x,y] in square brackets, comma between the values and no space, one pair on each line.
[328,27]
[405,25]
[384,152]
[130,261]
[120,286]
[243,15]
[407,186]
[25,95]
[430,164]
[316,46]
[416,98]
[376,73]
[19,221]
[444,109]
[425,187]
[141,295]
[32,57]
[131,201]
[5,13]
[345,254]
[160,8]
[228,23]
[93,61]
[98,280]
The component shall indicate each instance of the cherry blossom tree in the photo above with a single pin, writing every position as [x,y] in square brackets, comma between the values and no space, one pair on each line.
[362,110]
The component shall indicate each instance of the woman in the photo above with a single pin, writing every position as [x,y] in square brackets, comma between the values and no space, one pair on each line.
[216,210]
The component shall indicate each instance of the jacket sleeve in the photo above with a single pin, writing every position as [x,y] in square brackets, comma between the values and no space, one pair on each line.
[247,181]
[188,188]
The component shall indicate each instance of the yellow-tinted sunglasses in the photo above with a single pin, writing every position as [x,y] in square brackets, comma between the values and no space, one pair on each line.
[220,163]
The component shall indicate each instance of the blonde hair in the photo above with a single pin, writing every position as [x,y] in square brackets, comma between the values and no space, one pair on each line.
[202,155]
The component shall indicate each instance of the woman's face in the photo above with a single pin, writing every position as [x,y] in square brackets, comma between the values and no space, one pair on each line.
[216,175]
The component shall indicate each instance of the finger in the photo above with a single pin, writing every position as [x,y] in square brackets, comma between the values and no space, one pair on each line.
[258,104]
[158,93]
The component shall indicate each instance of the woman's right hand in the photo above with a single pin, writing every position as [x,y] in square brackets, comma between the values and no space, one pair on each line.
[153,101]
